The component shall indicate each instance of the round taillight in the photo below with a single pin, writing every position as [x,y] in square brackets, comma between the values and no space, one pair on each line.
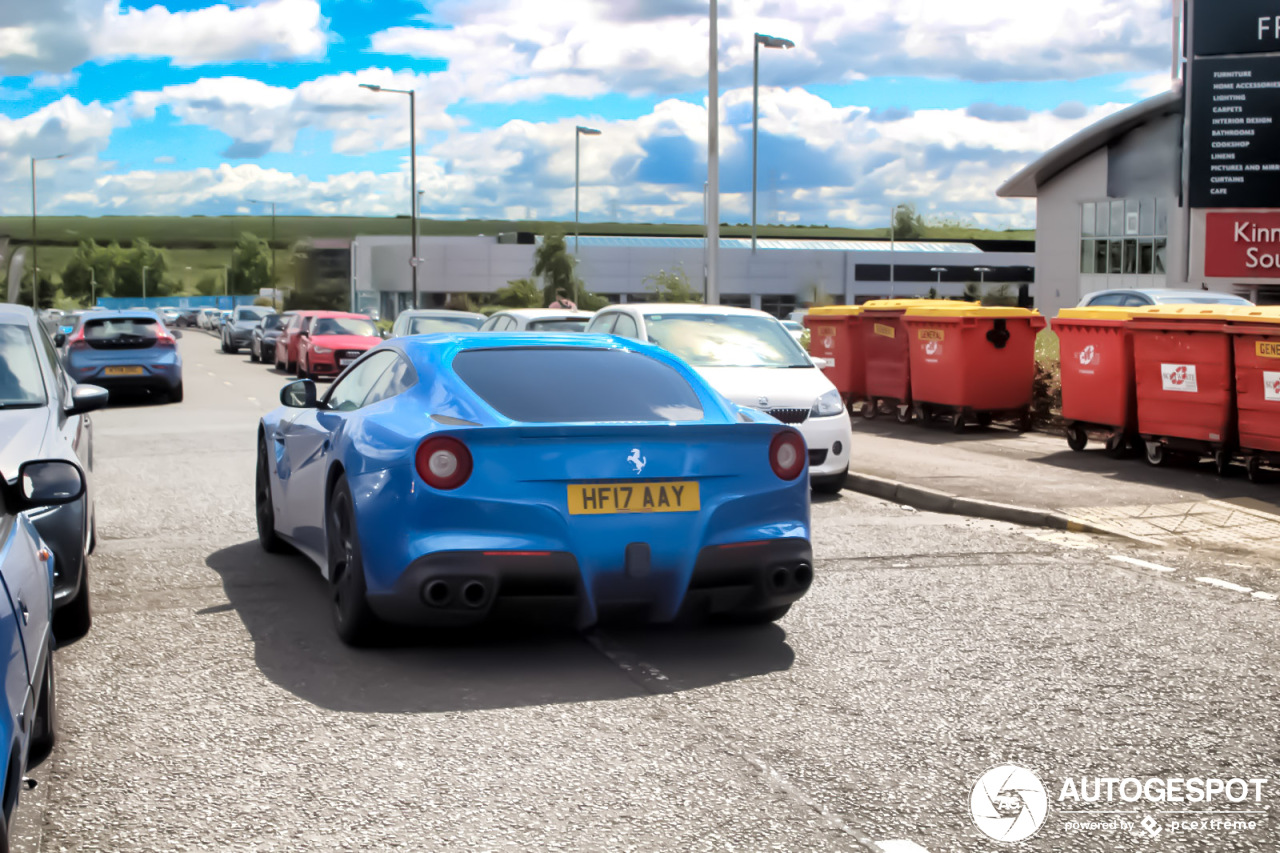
[786,455]
[443,463]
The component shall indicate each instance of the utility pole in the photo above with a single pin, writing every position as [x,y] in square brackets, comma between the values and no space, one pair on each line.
[713,160]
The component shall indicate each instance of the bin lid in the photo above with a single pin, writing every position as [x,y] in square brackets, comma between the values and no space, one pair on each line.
[968,309]
[903,304]
[1191,312]
[1098,312]
[1259,314]
[835,310]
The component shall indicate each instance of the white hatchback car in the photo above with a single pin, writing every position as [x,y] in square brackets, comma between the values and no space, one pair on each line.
[537,320]
[750,358]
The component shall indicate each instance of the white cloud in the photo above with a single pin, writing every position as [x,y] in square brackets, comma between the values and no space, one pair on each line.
[506,50]
[56,36]
[260,117]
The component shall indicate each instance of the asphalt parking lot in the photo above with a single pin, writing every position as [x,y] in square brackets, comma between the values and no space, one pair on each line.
[213,708]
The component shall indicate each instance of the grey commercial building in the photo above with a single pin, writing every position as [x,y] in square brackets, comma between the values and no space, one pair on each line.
[775,278]
[1161,195]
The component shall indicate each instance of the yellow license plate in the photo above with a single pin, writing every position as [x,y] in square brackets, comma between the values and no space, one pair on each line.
[613,498]
[122,371]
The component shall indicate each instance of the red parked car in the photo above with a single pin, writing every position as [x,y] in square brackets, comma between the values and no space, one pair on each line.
[286,355]
[332,341]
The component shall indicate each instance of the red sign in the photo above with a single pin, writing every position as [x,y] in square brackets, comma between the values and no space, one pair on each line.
[1242,245]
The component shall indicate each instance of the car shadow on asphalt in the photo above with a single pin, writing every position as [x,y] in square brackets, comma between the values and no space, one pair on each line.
[284,604]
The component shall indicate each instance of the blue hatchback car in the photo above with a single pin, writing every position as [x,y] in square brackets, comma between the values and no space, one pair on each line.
[28,715]
[128,350]
[446,479]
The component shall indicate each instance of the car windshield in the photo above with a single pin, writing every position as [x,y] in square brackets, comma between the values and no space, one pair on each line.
[434,325]
[121,327]
[1207,299]
[563,324]
[272,321]
[577,385]
[726,340]
[20,381]
[344,326]
[251,314]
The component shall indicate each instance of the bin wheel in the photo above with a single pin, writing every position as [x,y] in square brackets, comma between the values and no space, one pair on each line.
[984,420]
[1253,467]
[869,410]
[886,408]
[904,414]
[1155,453]
[1222,462]
[1117,446]
[1024,422]
[921,412]
[957,422]
[1077,437]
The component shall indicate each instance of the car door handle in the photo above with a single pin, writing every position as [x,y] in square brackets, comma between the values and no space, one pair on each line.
[26,615]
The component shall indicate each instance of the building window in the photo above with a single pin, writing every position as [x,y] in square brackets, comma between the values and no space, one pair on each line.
[1124,236]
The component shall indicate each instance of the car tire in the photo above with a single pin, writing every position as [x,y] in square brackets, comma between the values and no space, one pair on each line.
[264,507]
[829,485]
[175,396]
[763,616]
[253,353]
[73,620]
[354,621]
[225,347]
[301,372]
[233,349]
[45,725]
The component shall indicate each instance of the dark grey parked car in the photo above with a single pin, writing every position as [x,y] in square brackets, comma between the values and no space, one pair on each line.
[265,335]
[43,416]
[238,330]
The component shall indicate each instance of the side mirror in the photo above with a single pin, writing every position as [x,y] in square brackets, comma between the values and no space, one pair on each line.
[59,339]
[49,482]
[87,398]
[299,395]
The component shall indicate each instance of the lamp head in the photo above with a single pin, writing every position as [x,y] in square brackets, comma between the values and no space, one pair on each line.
[372,87]
[772,41]
[588,131]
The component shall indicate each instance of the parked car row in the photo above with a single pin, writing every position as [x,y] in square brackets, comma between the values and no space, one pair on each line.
[47,532]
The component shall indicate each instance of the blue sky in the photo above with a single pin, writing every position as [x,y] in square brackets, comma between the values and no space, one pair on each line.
[196,107]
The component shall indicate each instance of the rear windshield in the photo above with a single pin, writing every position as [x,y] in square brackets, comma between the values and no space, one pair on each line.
[343,326]
[252,313]
[121,327]
[439,325]
[540,385]
[20,381]
[568,324]
[1207,299]
[272,321]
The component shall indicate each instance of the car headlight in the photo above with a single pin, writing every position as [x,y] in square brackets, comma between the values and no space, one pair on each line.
[827,405]
[320,351]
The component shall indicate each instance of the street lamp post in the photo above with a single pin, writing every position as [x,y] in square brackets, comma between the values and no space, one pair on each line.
[93,287]
[273,236]
[577,162]
[893,240]
[713,159]
[144,282]
[35,261]
[413,178]
[982,274]
[761,40]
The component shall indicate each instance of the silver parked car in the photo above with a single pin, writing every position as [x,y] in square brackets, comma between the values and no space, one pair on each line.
[435,321]
[1138,298]
[238,331]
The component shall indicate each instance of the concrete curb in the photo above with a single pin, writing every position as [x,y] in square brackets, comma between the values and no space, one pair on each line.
[932,500]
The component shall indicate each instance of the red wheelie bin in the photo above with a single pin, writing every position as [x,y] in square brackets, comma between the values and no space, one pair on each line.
[973,362]
[887,351]
[1255,337]
[1098,393]
[835,333]
[1185,381]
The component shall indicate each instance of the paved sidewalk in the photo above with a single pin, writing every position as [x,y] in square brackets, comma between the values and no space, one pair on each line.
[1182,504]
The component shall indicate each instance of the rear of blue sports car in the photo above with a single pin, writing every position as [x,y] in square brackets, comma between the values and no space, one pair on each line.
[578,479]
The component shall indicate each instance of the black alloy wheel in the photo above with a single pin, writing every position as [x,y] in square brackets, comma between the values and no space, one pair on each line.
[354,621]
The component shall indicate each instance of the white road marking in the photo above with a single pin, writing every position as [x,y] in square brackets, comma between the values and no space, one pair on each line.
[211,373]
[1266,596]
[1142,563]
[252,399]
[1220,584]
[900,846]
[225,382]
